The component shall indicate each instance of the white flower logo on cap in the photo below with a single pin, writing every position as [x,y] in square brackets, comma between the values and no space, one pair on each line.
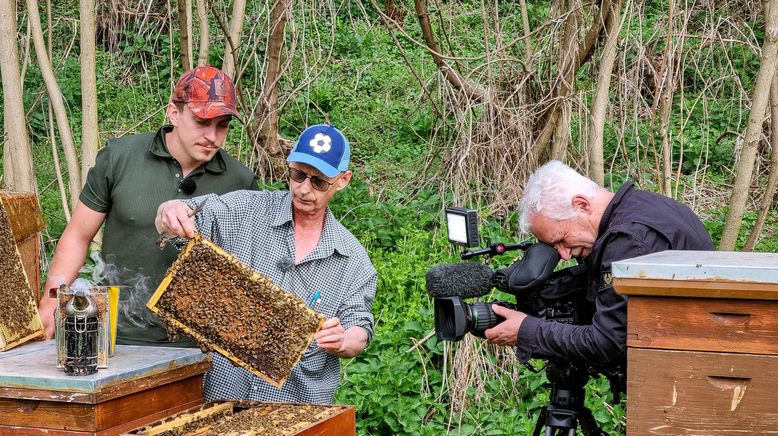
[321,143]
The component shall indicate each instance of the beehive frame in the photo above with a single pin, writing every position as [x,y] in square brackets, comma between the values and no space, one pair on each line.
[226,306]
[19,317]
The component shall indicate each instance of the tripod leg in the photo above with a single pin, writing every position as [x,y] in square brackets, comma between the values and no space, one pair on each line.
[588,424]
[541,421]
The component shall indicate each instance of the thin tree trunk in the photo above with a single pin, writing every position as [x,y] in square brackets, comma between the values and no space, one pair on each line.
[527,40]
[268,129]
[745,169]
[236,27]
[202,16]
[57,167]
[665,105]
[600,102]
[473,91]
[55,95]
[90,135]
[185,32]
[569,48]
[585,48]
[17,166]
[63,195]
[772,178]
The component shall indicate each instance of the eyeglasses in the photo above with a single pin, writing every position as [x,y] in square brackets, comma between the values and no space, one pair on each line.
[318,183]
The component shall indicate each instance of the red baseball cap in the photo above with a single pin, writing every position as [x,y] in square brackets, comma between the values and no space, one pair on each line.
[208,92]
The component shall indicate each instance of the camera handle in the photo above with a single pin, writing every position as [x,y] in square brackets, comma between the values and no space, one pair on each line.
[566,409]
[495,249]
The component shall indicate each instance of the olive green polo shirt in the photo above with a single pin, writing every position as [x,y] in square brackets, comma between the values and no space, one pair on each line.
[132,176]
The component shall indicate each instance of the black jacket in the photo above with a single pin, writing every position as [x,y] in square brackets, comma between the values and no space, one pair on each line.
[634,223]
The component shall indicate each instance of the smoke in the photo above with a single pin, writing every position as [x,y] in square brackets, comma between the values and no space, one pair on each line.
[134,290]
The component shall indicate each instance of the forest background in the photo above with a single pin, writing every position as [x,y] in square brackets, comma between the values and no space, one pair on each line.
[445,103]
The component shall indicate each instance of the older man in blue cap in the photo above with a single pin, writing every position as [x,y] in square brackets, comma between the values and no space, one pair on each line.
[294,239]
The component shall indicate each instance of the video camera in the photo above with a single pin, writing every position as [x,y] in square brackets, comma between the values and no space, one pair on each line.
[540,291]
[558,296]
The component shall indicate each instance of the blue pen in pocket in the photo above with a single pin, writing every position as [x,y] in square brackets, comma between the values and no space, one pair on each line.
[314,299]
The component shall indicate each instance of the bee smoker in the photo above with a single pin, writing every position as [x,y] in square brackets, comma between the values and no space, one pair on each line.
[80,333]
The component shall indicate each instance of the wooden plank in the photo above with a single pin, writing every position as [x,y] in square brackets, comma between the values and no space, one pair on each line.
[739,326]
[93,418]
[681,392]
[342,424]
[696,288]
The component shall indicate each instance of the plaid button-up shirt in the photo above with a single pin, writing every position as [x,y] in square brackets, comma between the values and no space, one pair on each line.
[257,228]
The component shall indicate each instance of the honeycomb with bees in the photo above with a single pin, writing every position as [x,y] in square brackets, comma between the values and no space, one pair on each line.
[255,418]
[227,307]
[19,318]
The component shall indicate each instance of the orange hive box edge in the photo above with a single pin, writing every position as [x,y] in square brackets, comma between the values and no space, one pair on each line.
[226,306]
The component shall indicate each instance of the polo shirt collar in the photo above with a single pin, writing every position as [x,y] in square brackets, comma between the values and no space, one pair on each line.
[331,238]
[626,188]
[158,147]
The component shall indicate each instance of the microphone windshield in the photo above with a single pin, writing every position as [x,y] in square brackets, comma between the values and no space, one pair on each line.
[465,279]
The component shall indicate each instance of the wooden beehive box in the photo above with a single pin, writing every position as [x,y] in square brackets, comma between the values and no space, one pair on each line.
[225,306]
[20,222]
[256,418]
[702,342]
[141,385]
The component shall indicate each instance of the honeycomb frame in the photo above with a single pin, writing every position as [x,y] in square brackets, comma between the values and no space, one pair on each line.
[20,320]
[228,307]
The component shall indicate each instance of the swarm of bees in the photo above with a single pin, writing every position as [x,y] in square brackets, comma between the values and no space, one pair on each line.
[227,307]
[19,319]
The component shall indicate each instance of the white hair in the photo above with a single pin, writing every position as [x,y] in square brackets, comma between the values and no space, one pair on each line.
[551,190]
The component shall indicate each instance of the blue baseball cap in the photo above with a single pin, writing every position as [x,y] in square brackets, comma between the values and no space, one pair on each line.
[324,148]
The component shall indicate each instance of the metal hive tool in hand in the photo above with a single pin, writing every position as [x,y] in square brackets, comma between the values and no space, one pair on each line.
[226,306]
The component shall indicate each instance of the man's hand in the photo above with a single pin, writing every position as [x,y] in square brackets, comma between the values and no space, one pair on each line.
[334,339]
[46,308]
[506,332]
[173,218]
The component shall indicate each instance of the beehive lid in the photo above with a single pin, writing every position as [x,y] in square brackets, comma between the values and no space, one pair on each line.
[31,369]
[699,274]
[226,306]
[701,265]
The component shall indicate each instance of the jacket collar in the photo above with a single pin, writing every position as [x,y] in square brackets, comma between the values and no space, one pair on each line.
[626,188]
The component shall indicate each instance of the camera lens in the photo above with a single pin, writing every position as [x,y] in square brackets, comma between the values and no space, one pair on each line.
[481,318]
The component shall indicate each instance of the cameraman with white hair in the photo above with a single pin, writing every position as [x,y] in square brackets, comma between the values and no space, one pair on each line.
[581,220]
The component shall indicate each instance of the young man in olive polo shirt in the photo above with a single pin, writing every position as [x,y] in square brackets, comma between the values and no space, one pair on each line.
[131,177]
